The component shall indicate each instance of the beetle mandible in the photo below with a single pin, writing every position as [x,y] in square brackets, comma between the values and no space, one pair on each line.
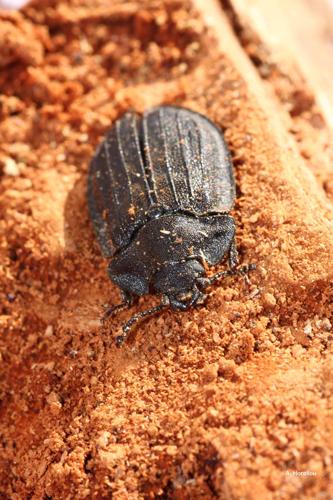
[160,189]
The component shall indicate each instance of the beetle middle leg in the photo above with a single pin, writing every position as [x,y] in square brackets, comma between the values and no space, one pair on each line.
[128,301]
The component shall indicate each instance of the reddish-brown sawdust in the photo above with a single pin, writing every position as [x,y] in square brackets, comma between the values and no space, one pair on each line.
[227,400]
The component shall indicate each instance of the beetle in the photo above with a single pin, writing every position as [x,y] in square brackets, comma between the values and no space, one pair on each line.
[160,189]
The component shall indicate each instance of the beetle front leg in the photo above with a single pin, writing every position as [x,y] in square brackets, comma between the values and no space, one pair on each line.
[127,327]
[197,298]
[128,300]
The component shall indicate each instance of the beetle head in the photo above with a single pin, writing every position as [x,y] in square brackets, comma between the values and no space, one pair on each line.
[177,282]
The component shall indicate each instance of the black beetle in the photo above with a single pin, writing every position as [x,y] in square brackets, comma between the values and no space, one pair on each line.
[160,189]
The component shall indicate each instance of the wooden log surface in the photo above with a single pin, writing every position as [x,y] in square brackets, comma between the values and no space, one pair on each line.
[230,400]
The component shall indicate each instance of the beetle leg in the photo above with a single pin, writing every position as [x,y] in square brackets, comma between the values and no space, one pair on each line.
[200,299]
[195,297]
[127,301]
[218,276]
[200,257]
[244,270]
[178,305]
[233,255]
[134,319]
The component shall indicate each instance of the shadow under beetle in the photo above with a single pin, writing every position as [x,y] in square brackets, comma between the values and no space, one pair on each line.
[160,189]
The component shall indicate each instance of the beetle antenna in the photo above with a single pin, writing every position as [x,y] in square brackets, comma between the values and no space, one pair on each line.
[244,270]
[134,319]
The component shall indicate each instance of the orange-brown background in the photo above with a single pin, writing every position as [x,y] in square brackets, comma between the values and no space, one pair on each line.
[223,401]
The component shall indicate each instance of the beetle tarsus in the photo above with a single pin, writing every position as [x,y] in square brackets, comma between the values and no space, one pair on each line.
[119,340]
[247,268]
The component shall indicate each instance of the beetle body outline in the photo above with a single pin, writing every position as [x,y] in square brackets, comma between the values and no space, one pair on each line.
[160,189]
